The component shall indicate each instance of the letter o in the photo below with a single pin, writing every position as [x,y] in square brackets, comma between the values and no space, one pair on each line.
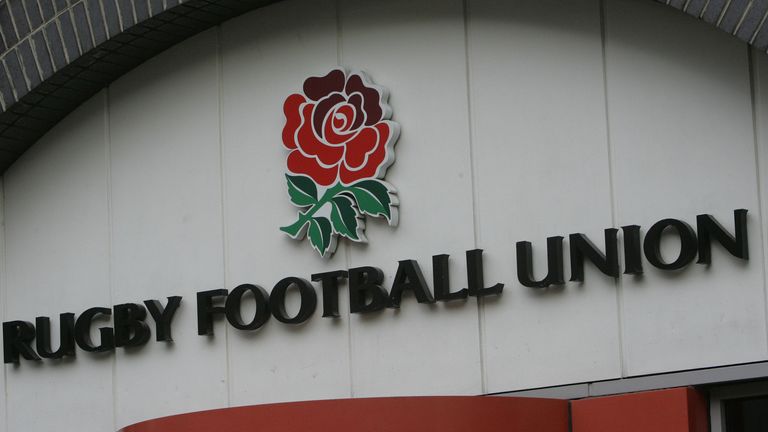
[688,244]
[308,300]
[232,307]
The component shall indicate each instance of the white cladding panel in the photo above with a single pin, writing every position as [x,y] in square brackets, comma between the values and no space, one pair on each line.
[418,48]
[760,80]
[683,144]
[166,213]
[541,169]
[263,61]
[3,415]
[57,260]
[520,120]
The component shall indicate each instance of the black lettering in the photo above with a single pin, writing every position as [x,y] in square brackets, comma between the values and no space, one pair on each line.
[130,328]
[365,291]
[234,300]
[66,337]
[708,228]
[581,247]
[441,280]
[409,277]
[475,276]
[330,285]
[652,244]
[633,258]
[163,316]
[308,300]
[206,310]
[83,330]
[555,274]
[17,341]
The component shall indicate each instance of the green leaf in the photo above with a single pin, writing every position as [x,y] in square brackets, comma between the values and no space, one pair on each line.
[321,235]
[344,217]
[373,197]
[296,229]
[302,190]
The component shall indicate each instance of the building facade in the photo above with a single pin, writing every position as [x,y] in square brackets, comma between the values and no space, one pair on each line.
[146,167]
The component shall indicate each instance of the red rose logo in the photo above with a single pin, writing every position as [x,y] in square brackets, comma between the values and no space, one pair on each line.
[338,130]
[340,138]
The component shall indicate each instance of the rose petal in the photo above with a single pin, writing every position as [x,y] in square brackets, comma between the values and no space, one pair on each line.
[317,88]
[376,161]
[345,114]
[322,108]
[292,110]
[371,99]
[356,100]
[310,145]
[300,164]
[332,136]
[360,146]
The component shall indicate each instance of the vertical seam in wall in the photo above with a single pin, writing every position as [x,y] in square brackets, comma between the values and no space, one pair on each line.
[743,17]
[26,15]
[40,10]
[61,38]
[4,306]
[90,25]
[133,9]
[120,18]
[71,19]
[723,12]
[14,28]
[603,10]
[24,71]
[110,244]
[3,38]
[754,91]
[759,27]
[347,249]
[473,182]
[339,42]
[222,191]
[15,92]
[48,49]
[103,16]
[35,56]
[704,9]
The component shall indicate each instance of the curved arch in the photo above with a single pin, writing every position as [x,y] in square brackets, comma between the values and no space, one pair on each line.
[58,53]
[475,413]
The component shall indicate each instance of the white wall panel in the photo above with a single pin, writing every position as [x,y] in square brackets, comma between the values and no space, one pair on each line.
[760,88]
[416,49]
[263,62]
[541,161]
[57,260]
[167,224]
[682,134]
[3,415]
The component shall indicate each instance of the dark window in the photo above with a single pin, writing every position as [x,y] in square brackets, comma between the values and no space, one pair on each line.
[746,414]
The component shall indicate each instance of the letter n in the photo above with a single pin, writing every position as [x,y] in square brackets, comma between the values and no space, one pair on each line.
[708,228]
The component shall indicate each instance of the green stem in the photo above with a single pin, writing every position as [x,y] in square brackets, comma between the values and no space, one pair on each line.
[306,217]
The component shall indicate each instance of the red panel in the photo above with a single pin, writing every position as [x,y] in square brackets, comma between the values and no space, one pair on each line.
[406,414]
[674,410]
[698,411]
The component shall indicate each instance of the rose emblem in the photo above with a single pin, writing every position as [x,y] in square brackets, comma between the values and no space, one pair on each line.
[341,141]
